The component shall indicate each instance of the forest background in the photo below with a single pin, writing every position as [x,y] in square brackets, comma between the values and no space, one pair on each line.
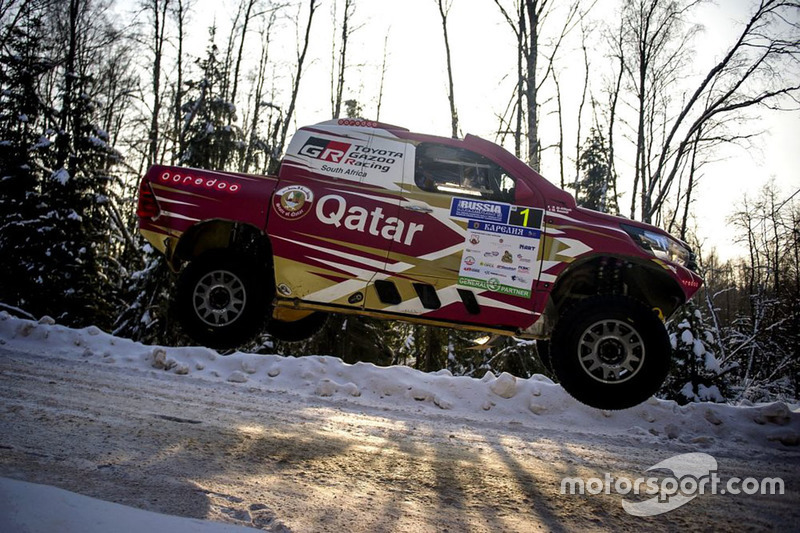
[679,113]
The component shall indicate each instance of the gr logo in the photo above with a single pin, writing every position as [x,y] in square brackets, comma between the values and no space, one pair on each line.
[325,150]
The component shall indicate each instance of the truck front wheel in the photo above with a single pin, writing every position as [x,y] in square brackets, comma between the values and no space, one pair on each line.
[222,300]
[610,352]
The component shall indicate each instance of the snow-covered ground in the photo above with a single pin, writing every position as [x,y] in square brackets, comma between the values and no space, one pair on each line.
[498,423]
[28,507]
[535,401]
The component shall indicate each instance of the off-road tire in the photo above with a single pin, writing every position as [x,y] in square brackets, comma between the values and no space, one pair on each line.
[610,352]
[222,299]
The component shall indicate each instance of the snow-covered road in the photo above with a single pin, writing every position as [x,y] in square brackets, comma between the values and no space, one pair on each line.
[311,444]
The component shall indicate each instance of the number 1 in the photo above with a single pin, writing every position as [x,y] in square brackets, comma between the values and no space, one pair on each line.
[525,220]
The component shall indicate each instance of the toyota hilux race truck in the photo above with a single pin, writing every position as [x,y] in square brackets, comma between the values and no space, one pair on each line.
[371,219]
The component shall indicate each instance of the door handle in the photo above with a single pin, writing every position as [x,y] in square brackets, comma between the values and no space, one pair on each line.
[418,208]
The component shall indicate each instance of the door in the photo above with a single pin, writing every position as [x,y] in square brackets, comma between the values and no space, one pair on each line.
[476,257]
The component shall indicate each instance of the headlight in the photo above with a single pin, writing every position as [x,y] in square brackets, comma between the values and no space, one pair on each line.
[662,246]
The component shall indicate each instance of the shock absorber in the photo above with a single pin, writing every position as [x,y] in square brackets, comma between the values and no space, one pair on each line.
[609,276]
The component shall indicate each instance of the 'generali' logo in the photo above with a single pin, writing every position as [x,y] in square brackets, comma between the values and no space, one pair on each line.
[209,183]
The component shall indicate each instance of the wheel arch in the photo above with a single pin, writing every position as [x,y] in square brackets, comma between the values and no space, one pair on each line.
[222,234]
[645,281]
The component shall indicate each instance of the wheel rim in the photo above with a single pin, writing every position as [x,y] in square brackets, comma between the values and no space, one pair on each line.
[219,298]
[611,351]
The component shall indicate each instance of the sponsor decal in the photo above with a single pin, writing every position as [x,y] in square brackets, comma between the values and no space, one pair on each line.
[349,158]
[333,210]
[207,182]
[358,123]
[469,260]
[493,284]
[500,244]
[324,149]
[479,210]
[293,202]
[345,172]
[504,229]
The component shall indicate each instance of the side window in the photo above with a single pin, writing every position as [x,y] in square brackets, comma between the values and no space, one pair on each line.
[459,172]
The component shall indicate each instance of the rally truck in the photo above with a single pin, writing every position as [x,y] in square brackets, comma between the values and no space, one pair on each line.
[371,219]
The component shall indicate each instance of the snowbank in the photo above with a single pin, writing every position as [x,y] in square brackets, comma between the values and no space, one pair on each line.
[535,402]
[32,508]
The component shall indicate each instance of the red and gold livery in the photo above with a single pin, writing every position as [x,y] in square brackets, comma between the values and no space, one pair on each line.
[371,219]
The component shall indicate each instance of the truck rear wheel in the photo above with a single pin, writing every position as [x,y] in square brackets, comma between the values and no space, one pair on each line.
[610,352]
[222,300]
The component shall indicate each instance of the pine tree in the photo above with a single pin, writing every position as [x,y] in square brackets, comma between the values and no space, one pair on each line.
[59,164]
[353,109]
[212,137]
[595,187]
[696,374]
[25,151]
[76,233]
[149,316]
